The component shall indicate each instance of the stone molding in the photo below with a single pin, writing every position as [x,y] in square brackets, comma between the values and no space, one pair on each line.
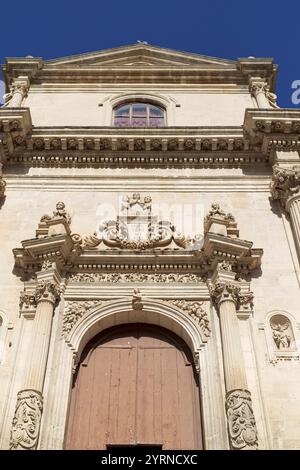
[26,421]
[241,422]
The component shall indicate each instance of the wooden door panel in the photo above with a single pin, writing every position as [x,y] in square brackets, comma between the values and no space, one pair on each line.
[135,385]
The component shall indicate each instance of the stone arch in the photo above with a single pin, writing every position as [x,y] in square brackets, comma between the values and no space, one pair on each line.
[119,312]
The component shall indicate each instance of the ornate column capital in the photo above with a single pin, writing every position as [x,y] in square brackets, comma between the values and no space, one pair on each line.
[260,90]
[285,185]
[222,291]
[47,291]
[241,422]
[18,91]
[26,421]
[257,85]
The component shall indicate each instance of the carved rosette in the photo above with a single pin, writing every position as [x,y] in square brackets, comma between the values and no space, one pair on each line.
[240,419]
[47,291]
[26,421]
[74,311]
[285,184]
[222,291]
[195,310]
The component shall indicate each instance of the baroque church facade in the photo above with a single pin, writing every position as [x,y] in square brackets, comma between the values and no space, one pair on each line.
[150,243]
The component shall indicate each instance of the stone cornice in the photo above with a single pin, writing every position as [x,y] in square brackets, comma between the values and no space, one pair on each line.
[273,129]
[69,253]
[263,132]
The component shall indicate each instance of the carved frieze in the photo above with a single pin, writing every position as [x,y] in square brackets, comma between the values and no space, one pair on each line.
[241,422]
[76,310]
[196,311]
[158,278]
[26,421]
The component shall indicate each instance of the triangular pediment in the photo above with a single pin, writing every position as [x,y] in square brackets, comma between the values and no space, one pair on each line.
[142,55]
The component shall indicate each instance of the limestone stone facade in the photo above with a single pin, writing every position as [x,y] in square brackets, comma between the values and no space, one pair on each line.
[214,256]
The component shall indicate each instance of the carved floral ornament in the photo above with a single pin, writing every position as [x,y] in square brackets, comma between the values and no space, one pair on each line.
[75,310]
[241,422]
[26,421]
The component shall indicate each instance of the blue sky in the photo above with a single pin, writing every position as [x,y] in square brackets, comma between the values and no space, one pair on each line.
[220,28]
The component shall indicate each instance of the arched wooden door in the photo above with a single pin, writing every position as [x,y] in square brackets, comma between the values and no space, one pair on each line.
[135,385]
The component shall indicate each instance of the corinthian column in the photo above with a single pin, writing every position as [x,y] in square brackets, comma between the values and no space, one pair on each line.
[260,90]
[18,91]
[29,408]
[285,188]
[240,418]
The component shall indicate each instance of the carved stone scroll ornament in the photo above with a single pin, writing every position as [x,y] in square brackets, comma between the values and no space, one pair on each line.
[241,422]
[136,229]
[196,311]
[26,421]
[74,311]
[286,183]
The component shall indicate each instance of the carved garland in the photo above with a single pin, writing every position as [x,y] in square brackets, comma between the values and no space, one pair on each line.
[194,310]
[75,311]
